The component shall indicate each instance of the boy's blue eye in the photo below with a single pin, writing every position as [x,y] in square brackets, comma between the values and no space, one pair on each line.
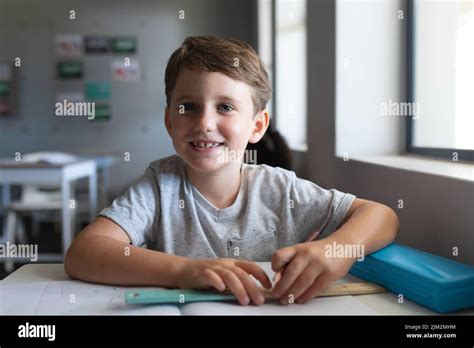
[186,107]
[226,107]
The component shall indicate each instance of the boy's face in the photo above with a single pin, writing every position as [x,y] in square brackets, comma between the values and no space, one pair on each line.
[211,114]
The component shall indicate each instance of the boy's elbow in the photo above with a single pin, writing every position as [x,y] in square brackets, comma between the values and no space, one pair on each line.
[392,221]
[68,263]
[71,261]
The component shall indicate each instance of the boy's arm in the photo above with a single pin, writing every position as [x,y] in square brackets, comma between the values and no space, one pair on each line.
[102,253]
[367,223]
[307,270]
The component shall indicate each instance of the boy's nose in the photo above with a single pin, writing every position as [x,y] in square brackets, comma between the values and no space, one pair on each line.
[206,121]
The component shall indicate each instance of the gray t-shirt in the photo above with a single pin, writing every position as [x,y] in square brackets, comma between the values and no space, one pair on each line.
[163,211]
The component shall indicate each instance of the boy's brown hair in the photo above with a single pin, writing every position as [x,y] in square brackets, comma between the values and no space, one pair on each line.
[231,57]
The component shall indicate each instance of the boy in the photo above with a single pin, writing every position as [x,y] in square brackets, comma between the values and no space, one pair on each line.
[200,219]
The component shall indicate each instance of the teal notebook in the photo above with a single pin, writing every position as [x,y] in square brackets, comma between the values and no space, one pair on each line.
[174,296]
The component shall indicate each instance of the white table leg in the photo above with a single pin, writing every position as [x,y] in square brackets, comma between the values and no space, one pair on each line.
[104,196]
[6,198]
[6,195]
[93,194]
[66,214]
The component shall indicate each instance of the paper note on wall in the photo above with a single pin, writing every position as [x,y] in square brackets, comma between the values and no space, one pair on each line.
[126,70]
[5,72]
[68,45]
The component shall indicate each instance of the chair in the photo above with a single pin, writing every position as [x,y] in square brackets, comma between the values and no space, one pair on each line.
[34,200]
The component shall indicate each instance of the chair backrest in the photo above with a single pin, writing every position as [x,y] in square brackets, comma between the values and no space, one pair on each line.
[35,194]
[53,157]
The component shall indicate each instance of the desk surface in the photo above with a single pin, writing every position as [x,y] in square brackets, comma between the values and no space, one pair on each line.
[384,304]
[11,164]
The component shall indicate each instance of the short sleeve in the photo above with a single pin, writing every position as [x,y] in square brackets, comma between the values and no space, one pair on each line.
[316,208]
[136,210]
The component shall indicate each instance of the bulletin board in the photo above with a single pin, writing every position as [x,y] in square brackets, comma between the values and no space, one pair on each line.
[7,89]
[89,67]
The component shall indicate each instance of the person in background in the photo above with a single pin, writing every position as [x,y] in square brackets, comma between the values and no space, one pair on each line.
[272,150]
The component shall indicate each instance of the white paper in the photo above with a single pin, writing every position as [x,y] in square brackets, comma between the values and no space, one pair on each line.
[22,299]
[73,298]
[338,305]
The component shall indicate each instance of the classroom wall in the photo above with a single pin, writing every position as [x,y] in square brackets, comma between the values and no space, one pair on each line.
[27,29]
[437,213]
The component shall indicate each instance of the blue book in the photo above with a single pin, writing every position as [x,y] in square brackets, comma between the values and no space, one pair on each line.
[438,283]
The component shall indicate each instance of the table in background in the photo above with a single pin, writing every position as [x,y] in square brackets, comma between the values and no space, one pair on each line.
[62,175]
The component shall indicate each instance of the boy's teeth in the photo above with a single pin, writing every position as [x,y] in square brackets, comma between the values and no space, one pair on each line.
[206,145]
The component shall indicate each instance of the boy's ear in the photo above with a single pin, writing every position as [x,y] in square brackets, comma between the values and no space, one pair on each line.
[261,121]
[168,120]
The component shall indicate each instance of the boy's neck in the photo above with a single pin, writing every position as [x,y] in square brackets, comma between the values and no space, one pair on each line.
[219,188]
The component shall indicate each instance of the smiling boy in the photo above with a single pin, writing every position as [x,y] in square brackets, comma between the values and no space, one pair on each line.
[194,220]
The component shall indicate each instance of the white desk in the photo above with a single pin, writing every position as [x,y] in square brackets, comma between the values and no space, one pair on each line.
[47,174]
[383,304]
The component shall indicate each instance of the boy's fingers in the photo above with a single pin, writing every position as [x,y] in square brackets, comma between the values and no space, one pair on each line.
[314,290]
[211,278]
[255,270]
[292,272]
[277,277]
[250,286]
[235,285]
[282,257]
[302,283]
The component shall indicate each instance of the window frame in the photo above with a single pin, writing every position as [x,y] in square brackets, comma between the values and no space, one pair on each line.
[304,146]
[274,77]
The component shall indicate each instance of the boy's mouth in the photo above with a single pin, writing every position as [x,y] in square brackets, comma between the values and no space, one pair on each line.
[205,145]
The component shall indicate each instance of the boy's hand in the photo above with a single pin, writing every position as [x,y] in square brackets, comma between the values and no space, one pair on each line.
[306,271]
[225,273]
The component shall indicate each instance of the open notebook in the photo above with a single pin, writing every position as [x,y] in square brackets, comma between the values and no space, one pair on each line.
[79,298]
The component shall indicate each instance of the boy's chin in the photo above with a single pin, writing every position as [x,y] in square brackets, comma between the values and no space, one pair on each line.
[203,164]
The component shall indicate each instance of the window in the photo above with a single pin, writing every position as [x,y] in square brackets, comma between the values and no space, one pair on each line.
[441,78]
[290,71]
